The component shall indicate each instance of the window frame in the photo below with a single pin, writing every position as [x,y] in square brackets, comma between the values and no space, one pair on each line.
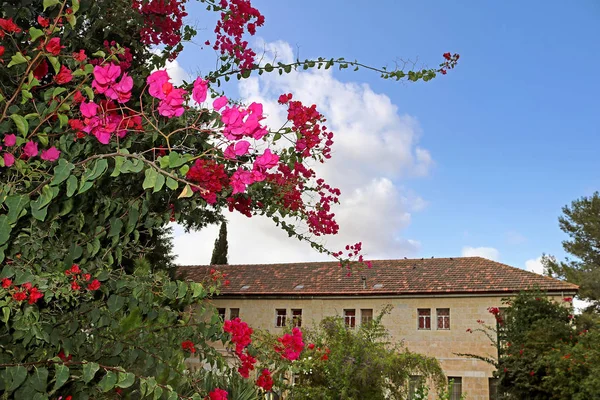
[350,320]
[280,319]
[363,316]
[296,317]
[456,393]
[426,318]
[221,312]
[231,313]
[444,318]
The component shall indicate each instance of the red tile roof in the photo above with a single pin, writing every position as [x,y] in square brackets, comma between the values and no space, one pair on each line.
[387,277]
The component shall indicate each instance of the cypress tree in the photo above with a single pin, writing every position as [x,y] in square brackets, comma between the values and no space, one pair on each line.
[219,255]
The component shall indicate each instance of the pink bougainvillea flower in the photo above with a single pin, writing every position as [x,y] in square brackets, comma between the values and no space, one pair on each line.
[31,149]
[50,154]
[156,81]
[220,102]
[53,46]
[218,394]
[9,159]
[63,76]
[105,76]
[266,161]
[10,139]
[121,91]
[240,180]
[88,110]
[172,104]
[200,89]
[238,149]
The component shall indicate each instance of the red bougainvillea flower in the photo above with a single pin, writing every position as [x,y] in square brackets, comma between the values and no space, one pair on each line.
[95,285]
[80,56]
[41,70]
[247,365]
[8,26]
[31,149]
[218,394]
[189,346]
[6,283]
[265,380]
[50,154]
[44,22]
[75,286]
[34,295]
[311,346]
[62,356]
[9,159]
[53,46]
[63,76]
[2,49]
[10,140]
[19,295]
[210,176]
[73,270]
[200,89]
[568,299]
[291,345]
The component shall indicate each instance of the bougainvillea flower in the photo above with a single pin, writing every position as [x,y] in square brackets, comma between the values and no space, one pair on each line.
[50,154]
[88,110]
[220,102]
[41,70]
[240,180]
[9,159]
[238,149]
[53,46]
[63,76]
[218,394]
[94,285]
[200,90]
[8,26]
[44,22]
[266,161]
[10,140]
[172,104]
[156,81]
[31,149]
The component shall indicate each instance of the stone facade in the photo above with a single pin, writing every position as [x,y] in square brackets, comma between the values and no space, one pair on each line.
[402,323]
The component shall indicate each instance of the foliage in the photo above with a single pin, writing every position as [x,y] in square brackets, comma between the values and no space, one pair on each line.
[543,351]
[581,221]
[358,363]
[100,151]
[219,255]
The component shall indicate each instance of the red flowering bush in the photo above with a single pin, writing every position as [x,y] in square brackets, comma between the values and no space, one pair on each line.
[100,150]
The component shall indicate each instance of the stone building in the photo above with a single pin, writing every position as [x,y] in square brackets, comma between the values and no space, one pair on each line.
[434,302]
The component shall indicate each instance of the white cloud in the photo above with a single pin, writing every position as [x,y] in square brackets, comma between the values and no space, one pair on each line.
[374,147]
[485,252]
[535,265]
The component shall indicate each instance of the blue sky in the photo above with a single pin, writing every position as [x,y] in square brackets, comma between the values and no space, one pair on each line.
[513,131]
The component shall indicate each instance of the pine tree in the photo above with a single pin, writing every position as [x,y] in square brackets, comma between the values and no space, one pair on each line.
[581,221]
[219,255]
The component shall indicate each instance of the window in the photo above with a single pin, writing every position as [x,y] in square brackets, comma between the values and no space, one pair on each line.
[297,317]
[493,385]
[234,313]
[366,316]
[350,318]
[281,314]
[221,312]
[424,318]
[443,318]
[456,389]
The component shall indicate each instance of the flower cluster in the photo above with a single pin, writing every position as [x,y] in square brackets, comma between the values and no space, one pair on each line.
[163,20]
[216,275]
[291,345]
[210,176]
[171,98]
[105,119]
[7,26]
[265,380]
[25,292]
[353,252]
[307,124]
[237,17]
[189,346]
[495,311]
[241,338]
[29,150]
[217,394]
[450,62]
[105,82]
[79,279]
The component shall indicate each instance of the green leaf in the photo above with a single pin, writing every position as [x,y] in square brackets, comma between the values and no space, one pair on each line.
[108,382]
[5,229]
[61,172]
[116,224]
[5,314]
[15,376]
[186,192]
[75,6]
[35,33]
[89,371]
[39,379]
[71,185]
[118,165]
[160,181]
[63,120]
[61,377]
[16,59]
[182,288]
[172,183]
[50,3]
[158,391]
[172,396]
[150,179]
[125,379]
[57,91]
[55,64]
[99,53]
[88,91]
[72,20]
[21,123]
[16,204]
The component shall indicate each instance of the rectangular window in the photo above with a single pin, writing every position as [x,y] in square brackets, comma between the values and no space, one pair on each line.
[234,313]
[366,316]
[297,317]
[280,313]
[493,385]
[424,318]
[456,390]
[221,312]
[350,318]
[443,318]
